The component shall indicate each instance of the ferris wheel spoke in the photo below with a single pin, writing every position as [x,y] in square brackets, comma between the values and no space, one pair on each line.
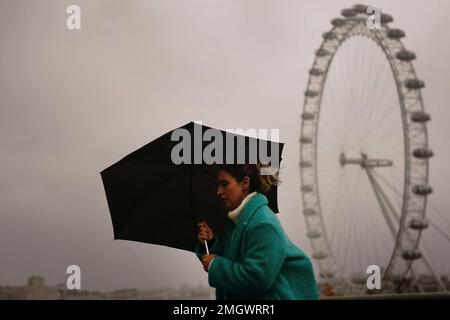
[439,230]
[331,216]
[338,248]
[362,231]
[377,118]
[329,115]
[331,189]
[366,85]
[335,123]
[337,104]
[389,121]
[387,140]
[441,215]
[387,134]
[336,210]
[330,158]
[331,138]
[371,85]
[354,92]
[385,101]
[340,211]
[390,186]
[381,87]
[334,182]
[383,144]
[347,227]
[367,231]
[330,185]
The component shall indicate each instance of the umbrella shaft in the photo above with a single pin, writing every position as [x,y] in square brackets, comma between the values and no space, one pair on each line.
[206,246]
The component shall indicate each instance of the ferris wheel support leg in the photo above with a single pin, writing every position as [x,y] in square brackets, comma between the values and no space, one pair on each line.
[392,210]
[416,279]
[384,210]
[378,190]
[427,263]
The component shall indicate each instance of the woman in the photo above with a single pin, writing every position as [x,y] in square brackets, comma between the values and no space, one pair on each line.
[253,258]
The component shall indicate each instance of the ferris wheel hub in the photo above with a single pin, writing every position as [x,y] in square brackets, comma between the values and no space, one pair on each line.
[365,161]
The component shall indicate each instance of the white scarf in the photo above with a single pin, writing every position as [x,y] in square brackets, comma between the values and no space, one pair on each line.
[234,214]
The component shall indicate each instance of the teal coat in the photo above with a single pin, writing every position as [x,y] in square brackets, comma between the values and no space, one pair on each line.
[256,260]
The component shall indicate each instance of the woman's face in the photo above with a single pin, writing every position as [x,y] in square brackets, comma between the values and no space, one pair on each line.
[230,191]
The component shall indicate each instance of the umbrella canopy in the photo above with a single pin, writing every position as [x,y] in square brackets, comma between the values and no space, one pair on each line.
[153,198]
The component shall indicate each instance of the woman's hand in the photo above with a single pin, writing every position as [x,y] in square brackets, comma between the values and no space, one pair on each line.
[204,232]
[206,260]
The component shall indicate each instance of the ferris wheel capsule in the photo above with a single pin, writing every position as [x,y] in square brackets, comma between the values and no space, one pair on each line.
[395,33]
[308,116]
[420,117]
[423,153]
[414,84]
[316,72]
[422,190]
[360,8]
[338,22]
[348,13]
[306,140]
[329,36]
[405,55]
[411,254]
[386,18]
[418,223]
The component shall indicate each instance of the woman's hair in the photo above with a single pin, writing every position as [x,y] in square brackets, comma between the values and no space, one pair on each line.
[258,182]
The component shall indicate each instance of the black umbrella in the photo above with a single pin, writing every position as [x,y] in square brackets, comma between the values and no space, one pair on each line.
[153,198]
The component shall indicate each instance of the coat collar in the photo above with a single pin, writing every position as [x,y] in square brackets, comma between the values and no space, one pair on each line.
[234,214]
[250,207]
[248,211]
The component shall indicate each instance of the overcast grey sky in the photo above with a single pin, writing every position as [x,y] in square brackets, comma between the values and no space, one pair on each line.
[74,102]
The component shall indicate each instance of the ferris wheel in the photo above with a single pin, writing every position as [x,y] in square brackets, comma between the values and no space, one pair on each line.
[364,156]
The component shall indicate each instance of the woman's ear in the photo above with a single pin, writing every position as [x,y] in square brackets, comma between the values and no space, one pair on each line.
[245,183]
